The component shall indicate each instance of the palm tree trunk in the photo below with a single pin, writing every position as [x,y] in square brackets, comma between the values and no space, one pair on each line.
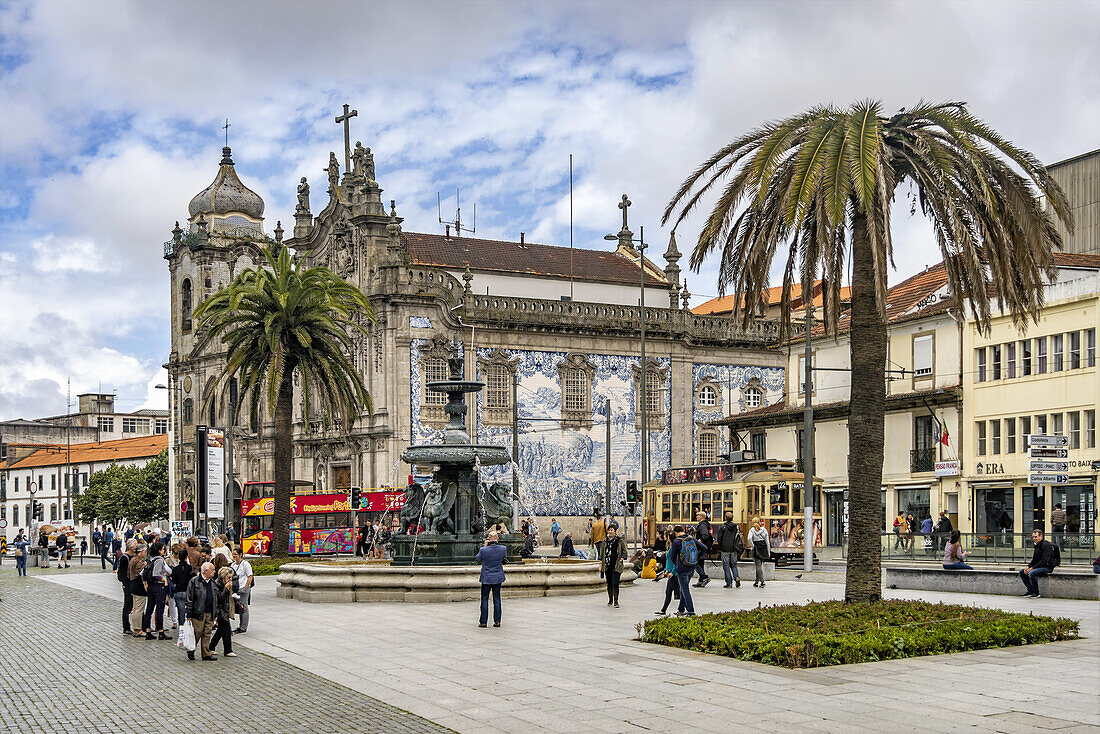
[284,463]
[863,581]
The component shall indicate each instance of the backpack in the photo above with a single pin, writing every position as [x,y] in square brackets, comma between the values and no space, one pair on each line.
[706,536]
[1055,556]
[689,552]
[738,542]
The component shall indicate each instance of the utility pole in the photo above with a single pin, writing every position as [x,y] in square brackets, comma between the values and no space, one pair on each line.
[607,455]
[515,452]
[808,448]
[645,377]
[227,499]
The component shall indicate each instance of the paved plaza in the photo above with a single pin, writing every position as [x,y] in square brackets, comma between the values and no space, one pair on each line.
[564,664]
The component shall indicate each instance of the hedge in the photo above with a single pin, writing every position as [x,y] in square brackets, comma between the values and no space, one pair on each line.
[834,633]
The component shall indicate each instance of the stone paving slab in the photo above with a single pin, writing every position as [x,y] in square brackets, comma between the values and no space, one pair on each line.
[572,664]
[106,684]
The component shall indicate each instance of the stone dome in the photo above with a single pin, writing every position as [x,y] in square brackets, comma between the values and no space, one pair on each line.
[227,194]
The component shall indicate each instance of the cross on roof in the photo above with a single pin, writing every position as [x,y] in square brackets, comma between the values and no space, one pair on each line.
[623,205]
[226,127]
[346,119]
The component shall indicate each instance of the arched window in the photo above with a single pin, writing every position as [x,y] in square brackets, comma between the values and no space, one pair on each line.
[435,369]
[753,397]
[498,387]
[708,397]
[188,411]
[185,304]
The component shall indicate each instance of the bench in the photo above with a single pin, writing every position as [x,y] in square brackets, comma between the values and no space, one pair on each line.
[1062,584]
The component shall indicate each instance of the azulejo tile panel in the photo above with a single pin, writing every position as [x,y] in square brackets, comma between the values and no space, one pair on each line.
[730,380]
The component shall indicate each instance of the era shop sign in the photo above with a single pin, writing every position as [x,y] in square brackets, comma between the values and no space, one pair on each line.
[990,467]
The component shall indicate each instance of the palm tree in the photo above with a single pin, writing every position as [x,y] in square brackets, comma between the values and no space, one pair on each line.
[820,184]
[280,322]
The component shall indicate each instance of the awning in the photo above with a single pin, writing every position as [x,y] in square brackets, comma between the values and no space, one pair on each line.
[992,485]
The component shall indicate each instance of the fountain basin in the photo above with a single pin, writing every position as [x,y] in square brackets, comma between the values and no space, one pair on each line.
[456,454]
[343,582]
[449,386]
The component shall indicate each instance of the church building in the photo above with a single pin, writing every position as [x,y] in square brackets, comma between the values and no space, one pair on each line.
[563,324]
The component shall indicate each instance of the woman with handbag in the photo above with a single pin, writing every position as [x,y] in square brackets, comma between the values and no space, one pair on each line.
[614,555]
[225,599]
[137,590]
[21,545]
[155,576]
[181,576]
[761,551]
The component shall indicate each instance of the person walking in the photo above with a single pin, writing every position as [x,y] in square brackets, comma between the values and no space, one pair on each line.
[366,540]
[685,551]
[761,550]
[200,609]
[83,549]
[194,554]
[555,528]
[899,531]
[612,564]
[910,529]
[106,541]
[672,586]
[225,597]
[704,535]
[1044,559]
[97,536]
[62,544]
[155,578]
[138,589]
[1058,524]
[491,557]
[116,548]
[243,569]
[181,577]
[954,557]
[122,573]
[22,549]
[218,548]
[599,536]
[731,544]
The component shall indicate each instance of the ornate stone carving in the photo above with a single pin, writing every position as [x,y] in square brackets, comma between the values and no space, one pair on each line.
[497,399]
[576,397]
[303,197]
[656,413]
[411,510]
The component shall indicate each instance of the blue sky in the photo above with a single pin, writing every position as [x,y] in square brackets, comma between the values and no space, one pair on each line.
[111,121]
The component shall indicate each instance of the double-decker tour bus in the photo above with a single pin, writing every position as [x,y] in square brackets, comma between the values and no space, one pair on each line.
[766,488]
[319,523]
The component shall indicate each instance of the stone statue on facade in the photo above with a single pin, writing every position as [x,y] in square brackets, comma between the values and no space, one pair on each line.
[358,160]
[303,196]
[438,502]
[333,172]
[368,168]
[413,507]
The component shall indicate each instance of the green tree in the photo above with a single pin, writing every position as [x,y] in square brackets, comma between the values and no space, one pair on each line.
[149,502]
[107,497]
[820,186]
[278,323]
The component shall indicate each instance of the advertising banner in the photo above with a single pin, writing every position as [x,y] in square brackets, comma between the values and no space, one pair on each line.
[215,473]
[388,501]
[182,528]
[691,475]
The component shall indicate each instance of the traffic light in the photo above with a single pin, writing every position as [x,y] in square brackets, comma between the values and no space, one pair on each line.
[356,498]
[633,496]
[37,510]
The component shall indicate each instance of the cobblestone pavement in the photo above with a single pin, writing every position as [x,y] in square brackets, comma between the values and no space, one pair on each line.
[49,633]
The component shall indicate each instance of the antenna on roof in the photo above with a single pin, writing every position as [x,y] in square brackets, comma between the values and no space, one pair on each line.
[457,221]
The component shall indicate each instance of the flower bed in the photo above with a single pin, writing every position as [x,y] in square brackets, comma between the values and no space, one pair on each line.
[834,633]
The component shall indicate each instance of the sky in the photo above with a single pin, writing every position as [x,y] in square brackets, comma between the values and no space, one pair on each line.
[111,119]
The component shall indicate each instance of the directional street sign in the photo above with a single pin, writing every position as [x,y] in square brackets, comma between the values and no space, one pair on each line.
[1036,452]
[1039,439]
[1048,466]
[1047,478]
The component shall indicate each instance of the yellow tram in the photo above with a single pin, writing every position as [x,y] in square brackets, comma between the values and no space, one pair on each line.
[764,488]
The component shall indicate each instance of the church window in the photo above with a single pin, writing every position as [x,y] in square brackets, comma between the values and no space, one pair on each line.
[653,393]
[213,414]
[708,396]
[708,447]
[188,410]
[576,374]
[498,393]
[753,397]
[498,370]
[576,389]
[435,369]
[185,304]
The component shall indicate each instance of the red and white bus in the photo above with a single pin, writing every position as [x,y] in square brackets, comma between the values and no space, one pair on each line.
[319,523]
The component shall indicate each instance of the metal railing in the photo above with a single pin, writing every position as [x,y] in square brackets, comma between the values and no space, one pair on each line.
[922,459]
[1009,548]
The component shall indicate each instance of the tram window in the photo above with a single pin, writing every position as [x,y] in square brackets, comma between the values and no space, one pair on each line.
[666,508]
[778,501]
[796,500]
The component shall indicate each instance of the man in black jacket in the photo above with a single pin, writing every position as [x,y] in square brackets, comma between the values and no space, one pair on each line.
[122,573]
[731,544]
[704,535]
[1044,559]
[943,530]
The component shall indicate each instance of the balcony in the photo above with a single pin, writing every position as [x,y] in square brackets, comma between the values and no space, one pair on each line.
[922,460]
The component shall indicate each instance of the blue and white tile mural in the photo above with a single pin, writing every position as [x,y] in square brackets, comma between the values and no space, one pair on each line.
[562,472]
[730,380]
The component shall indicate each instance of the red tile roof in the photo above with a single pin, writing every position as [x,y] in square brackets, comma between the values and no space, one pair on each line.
[771,297]
[527,258]
[96,452]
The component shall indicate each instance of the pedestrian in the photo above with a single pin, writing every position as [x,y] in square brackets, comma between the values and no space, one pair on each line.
[181,577]
[106,545]
[200,609]
[194,556]
[599,535]
[218,548]
[686,551]
[672,586]
[122,573]
[1044,559]
[910,527]
[528,546]
[612,564]
[943,529]
[567,546]
[225,597]
[705,536]
[83,549]
[62,544]
[96,537]
[138,589]
[899,531]
[731,544]
[22,548]
[155,577]
[954,557]
[1058,524]
[555,528]
[491,557]
[243,569]
[43,549]
[116,548]
[761,551]
[588,531]
[366,540]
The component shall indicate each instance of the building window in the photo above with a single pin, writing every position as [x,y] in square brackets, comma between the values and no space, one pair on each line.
[435,370]
[1075,350]
[1056,423]
[1041,355]
[53,482]
[1056,348]
[980,430]
[995,436]
[1090,429]
[135,425]
[1090,347]
[922,355]
[185,305]
[754,396]
[15,514]
[708,447]
[106,424]
[1025,429]
[1010,435]
[653,404]
[1040,424]
[1025,357]
[1073,418]
[498,387]
[760,444]
[188,411]
[17,484]
[575,375]
[1010,360]
[53,512]
[708,396]
[576,389]
[161,426]
[995,358]
[980,353]
[499,371]
[993,511]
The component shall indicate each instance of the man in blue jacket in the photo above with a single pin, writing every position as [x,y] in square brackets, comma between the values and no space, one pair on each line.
[491,556]
[687,551]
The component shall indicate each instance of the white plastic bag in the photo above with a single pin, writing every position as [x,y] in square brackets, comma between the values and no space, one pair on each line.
[187,637]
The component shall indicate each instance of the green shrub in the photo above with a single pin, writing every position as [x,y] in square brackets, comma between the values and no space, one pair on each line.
[835,633]
[269,566]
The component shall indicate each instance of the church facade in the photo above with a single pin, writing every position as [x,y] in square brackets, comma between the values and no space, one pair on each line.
[554,332]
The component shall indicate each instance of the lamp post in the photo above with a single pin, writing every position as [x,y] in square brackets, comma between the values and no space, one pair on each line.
[808,450]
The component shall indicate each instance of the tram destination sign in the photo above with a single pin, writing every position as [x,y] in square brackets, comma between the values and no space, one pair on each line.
[1038,452]
[1048,466]
[1041,439]
[1047,478]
